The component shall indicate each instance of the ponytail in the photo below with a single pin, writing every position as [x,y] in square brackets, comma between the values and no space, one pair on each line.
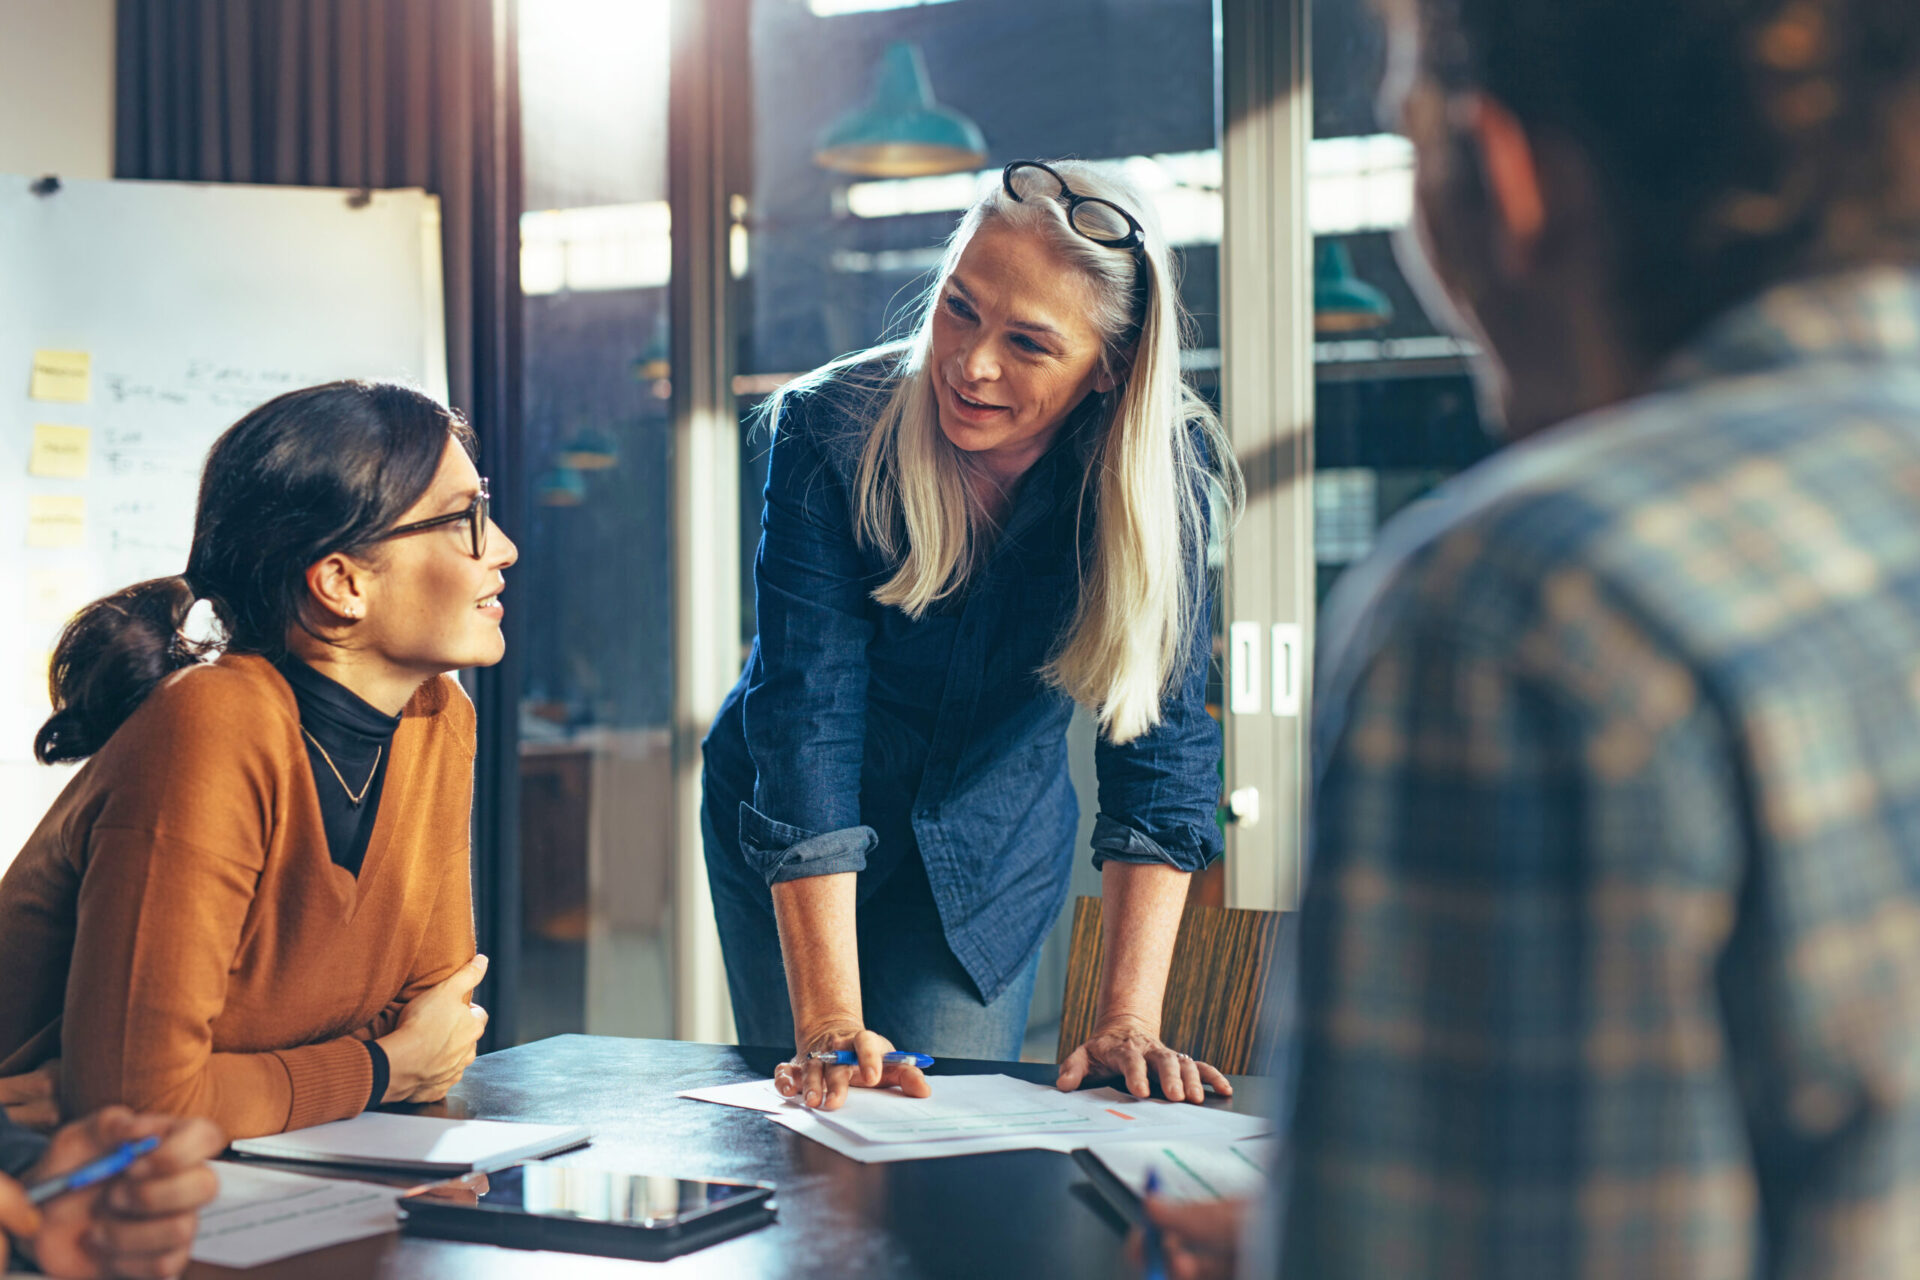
[110,657]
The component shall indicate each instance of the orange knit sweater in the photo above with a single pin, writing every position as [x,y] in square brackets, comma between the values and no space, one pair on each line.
[176,934]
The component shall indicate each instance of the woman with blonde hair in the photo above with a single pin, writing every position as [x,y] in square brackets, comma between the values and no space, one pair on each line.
[965,535]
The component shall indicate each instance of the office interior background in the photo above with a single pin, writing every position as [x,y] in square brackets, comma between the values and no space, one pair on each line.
[691,235]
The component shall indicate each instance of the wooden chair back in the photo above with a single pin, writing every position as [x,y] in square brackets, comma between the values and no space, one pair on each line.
[1217,989]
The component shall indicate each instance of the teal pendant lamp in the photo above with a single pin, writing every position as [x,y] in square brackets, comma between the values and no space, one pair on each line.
[902,132]
[654,363]
[1342,301]
[561,487]
[590,450]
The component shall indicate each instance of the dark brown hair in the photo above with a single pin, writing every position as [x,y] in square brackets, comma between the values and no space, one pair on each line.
[1737,143]
[309,473]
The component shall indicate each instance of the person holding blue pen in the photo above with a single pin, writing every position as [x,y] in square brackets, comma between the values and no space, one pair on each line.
[1188,1241]
[967,535]
[115,1195]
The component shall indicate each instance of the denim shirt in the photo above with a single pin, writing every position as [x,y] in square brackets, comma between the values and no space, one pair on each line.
[857,735]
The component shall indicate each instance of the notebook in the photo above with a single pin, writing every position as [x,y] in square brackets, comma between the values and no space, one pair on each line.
[376,1139]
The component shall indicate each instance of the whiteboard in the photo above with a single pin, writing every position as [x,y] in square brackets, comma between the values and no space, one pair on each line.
[193,303]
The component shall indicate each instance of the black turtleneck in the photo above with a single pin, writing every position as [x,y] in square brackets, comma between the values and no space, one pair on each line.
[358,737]
[343,727]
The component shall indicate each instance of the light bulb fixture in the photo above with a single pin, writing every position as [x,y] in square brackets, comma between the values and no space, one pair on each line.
[901,132]
[1342,301]
[560,487]
[655,361]
[590,450]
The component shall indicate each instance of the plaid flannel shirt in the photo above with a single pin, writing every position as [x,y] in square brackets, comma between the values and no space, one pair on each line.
[1610,948]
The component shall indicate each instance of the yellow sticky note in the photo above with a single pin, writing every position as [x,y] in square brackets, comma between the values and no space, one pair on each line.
[53,595]
[56,520]
[61,452]
[62,375]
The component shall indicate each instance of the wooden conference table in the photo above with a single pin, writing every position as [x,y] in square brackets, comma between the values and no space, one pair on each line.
[1003,1216]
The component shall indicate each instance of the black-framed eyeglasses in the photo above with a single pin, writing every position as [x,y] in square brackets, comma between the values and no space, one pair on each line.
[1099,220]
[476,517]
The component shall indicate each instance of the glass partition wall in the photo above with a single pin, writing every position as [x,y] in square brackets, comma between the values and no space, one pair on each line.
[594,573]
[1394,405]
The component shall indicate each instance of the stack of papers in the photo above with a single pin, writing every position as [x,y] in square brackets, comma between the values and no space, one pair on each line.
[1190,1171]
[263,1215]
[964,1107]
[974,1115]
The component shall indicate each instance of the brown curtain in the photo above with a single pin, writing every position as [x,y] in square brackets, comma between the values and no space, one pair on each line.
[376,93]
[347,93]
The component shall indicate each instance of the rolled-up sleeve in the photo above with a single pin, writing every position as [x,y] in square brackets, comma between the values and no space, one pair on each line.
[780,852]
[804,710]
[1159,794]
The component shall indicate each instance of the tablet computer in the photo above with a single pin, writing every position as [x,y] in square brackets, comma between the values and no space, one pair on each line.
[587,1210]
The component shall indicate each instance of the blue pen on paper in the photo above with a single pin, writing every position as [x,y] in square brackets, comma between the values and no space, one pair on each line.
[110,1165]
[1156,1268]
[848,1058]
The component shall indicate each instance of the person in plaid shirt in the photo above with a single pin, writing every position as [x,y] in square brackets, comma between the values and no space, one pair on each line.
[1609,953]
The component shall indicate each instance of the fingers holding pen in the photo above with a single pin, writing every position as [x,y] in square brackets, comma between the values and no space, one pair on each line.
[808,1080]
[872,1050]
[908,1079]
[829,1064]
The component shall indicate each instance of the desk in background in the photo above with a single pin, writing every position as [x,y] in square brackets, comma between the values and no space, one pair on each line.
[1005,1216]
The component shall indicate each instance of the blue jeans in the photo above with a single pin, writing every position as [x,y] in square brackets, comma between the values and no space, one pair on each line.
[912,989]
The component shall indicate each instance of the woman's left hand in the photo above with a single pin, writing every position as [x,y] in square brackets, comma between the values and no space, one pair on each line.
[33,1100]
[1136,1055]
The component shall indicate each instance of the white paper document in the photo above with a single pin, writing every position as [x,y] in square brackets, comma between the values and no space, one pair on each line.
[263,1215]
[429,1144]
[969,1107]
[805,1123]
[1163,1121]
[754,1095]
[1189,1171]
[974,1115]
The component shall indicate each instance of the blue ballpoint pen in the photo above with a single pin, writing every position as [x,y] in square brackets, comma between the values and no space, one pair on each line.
[848,1058]
[110,1165]
[1156,1268]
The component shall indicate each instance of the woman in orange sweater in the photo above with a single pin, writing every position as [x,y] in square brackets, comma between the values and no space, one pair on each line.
[252,903]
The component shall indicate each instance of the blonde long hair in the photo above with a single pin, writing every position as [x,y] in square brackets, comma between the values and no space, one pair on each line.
[1154,457]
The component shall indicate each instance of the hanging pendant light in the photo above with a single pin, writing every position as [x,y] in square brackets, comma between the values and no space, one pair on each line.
[590,450]
[901,132]
[560,487]
[1342,301]
[655,361]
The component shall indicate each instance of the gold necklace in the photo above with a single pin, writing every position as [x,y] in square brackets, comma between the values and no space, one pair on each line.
[352,799]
